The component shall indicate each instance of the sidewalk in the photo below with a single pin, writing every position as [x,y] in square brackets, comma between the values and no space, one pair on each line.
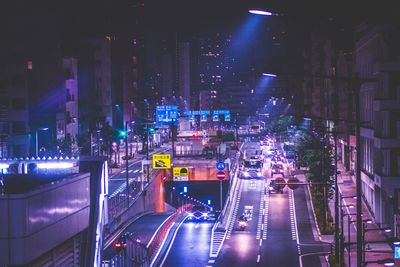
[347,188]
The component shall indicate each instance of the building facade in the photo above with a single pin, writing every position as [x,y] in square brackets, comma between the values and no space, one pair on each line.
[377,56]
[15,136]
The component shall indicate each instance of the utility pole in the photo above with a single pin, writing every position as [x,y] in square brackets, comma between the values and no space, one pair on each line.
[173,137]
[126,162]
[336,201]
[360,249]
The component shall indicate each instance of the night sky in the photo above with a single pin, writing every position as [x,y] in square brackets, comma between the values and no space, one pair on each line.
[97,17]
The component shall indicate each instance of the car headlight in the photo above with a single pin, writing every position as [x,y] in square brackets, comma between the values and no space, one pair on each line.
[205,214]
[246,174]
[190,214]
[259,174]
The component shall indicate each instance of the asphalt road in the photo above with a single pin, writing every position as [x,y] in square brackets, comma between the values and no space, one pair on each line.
[144,228]
[191,246]
[279,232]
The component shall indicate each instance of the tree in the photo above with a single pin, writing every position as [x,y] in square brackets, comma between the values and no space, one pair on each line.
[280,127]
[316,153]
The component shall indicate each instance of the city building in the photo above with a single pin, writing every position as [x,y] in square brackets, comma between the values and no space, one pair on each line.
[377,56]
[67,119]
[95,90]
[183,74]
[14,105]
[238,100]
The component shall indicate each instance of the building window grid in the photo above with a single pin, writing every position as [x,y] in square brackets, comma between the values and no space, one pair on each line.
[367,155]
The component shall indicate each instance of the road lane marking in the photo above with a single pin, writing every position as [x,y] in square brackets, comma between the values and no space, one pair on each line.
[173,239]
[261,242]
[211,261]
[136,171]
[258,258]
[158,229]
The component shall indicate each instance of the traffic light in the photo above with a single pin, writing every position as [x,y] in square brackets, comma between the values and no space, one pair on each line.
[151,130]
[122,133]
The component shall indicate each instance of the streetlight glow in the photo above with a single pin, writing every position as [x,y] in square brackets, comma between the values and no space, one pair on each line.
[269,74]
[260,12]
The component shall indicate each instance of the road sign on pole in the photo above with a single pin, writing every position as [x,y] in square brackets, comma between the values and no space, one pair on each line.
[221,165]
[221,175]
[181,173]
[161,161]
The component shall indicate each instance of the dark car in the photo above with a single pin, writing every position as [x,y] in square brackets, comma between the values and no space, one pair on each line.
[199,213]
[120,244]
[275,186]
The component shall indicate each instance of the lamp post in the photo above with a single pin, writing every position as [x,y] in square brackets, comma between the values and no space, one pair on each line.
[126,162]
[37,138]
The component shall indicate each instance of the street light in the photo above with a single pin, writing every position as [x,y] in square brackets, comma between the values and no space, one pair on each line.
[37,138]
[260,12]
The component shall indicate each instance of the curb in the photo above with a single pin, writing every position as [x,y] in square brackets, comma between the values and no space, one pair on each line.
[317,226]
[166,241]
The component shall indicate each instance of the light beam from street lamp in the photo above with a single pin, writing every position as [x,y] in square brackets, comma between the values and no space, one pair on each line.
[269,74]
[260,12]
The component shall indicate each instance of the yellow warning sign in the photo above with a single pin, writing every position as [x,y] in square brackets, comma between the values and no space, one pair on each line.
[161,161]
[181,173]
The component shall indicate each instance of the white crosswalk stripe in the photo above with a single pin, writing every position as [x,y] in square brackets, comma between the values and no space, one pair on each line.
[292,221]
[216,243]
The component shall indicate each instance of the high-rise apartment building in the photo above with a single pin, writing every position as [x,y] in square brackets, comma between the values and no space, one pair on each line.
[14,118]
[183,74]
[214,66]
[67,119]
[94,78]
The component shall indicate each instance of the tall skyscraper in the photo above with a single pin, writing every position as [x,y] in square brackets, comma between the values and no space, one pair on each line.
[183,74]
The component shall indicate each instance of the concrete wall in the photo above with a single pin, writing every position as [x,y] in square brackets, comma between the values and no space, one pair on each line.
[151,199]
[35,222]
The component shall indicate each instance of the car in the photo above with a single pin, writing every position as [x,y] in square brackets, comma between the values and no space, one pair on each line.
[120,244]
[275,186]
[199,213]
[251,174]
[277,169]
[272,187]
